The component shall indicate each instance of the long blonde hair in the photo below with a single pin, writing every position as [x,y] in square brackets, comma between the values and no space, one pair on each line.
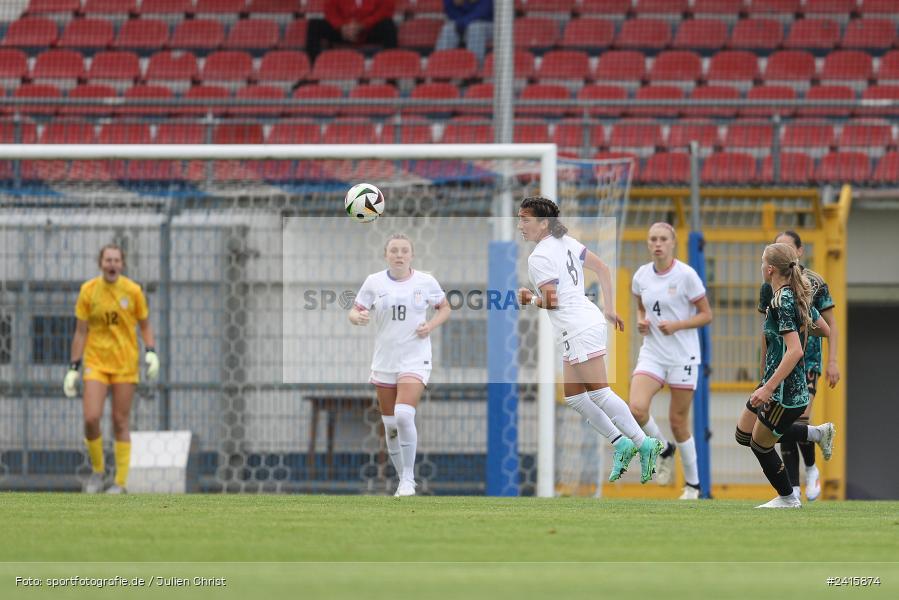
[784,259]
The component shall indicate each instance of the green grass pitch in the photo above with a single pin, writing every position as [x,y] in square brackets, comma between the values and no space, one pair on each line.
[358,547]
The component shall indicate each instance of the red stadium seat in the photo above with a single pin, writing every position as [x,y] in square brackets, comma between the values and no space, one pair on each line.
[728,10]
[781,9]
[815,139]
[536,32]
[887,171]
[568,135]
[245,97]
[728,168]
[31,32]
[395,64]
[848,67]
[418,7]
[380,91]
[621,67]
[603,92]
[543,92]
[205,92]
[282,11]
[753,137]
[712,92]
[588,34]
[638,137]
[338,65]
[142,34]
[653,34]
[524,65]
[147,92]
[871,137]
[819,34]
[283,68]
[170,11]
[37,91]
[844,167]
[455,63]
[434,91]
[667,167]
[658,92]
[176,70]
[198,34]
[889,68]
[412,130]
[669,9]
[112,11]
[63,68]
[828,92]
[23,132]
[795,168]
[683,132]
[795,68]
[467,130]
[125,133]
[238,133]
[869,34]
[68,132]
[224,11]
[834,9]
[565,67]
[295,35]
[87,33]
[769,92]
[95,92]
[295,132]
[736,68]
[559,8]
[174,132]
[479,91]
[118,69]
[701,34]
[881,8]
[349,131]
[229,68]
[608,9]
[420,33]
[676,67]
[756,34]
[880,92]
[13,68]
[253,34]
[59,11]
[317,92]
[530,132]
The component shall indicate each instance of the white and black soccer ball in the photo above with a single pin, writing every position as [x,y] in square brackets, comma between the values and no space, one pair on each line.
[364,202]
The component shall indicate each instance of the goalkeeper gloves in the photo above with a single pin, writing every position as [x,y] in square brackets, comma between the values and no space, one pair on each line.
[152,364]
[71,380]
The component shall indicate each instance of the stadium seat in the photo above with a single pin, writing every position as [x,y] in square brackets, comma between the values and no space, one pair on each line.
[118,69]
[253,34]
[468,130]
[588,34]
[176,70]
[828,92]
[869,34]
[434,91]
[735,68]
[844,167]
[887,171]
[349,131]
[701,34]
[648,34]
[666,167]
[728,168]
[338,65]
[31,32]
[295,132]
[682,133]
[834,9]
[147,92]
[608,9]
[712,92]
[569,136]
[282,11]
[229,68]
[753,137]
[245,97]
[816,34]
[638,137]
[142,34]
[795,68]
[37,91]
[283,68]
[112,11]
[92,91]
[22,132]
[59,11]
[724,10]
[420,33]
[769,92]
[783,10]
[671,10]
[479,91]
[524,65]
[316,92]
[378,91]
[570,68]
[556,8]
[756,34]
[395,65]
[87,33]
[63,68]
[170,11]
[224,11]
[536,32]
[879,8]
[13,68]
[452,64]
[889,68]
[238,133]
[125,133]
[598,92]
[530,132]
[295,35]
[626,68]
[680,68]
[796,168]
[198,34]
[658,92]
[204,92]
[871,137]
[880,92]
[848,67]
[68,132]
[815,139]
[544,92]
[411,130]
[180,132]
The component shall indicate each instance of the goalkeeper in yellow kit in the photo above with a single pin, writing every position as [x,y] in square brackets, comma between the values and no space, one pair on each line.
[108,311]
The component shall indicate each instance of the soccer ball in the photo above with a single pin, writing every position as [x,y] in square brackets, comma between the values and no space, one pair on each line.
[364,202]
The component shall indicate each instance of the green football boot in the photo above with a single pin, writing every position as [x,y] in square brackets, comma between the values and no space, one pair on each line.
[624,452]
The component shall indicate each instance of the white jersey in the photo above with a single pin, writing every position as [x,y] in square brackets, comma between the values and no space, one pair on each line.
[397,308]
[669,296]
[561,261]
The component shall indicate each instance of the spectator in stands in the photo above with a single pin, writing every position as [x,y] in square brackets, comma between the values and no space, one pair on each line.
[471,20]
[354,22]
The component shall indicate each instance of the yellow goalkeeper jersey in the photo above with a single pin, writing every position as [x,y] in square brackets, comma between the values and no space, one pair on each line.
[112,311]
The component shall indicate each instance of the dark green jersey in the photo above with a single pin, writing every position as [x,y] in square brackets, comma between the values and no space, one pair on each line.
[782,317]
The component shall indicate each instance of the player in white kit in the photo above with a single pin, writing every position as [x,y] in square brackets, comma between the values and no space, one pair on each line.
[397,300]
[671,306]
[556,269]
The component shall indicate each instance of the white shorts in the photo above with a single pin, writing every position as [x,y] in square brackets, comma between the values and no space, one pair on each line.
[388,379]
[585,345]
[680,377]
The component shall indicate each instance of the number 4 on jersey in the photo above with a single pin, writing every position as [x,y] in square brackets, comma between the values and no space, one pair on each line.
[656,309]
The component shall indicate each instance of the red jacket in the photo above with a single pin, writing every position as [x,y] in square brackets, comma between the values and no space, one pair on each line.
[366,12]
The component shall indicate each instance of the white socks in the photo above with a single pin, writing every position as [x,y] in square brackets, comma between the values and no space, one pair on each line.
[593,415]
[652,430]
[619,413]
[407,438]
[688,459]
[814,434]
[391,436]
